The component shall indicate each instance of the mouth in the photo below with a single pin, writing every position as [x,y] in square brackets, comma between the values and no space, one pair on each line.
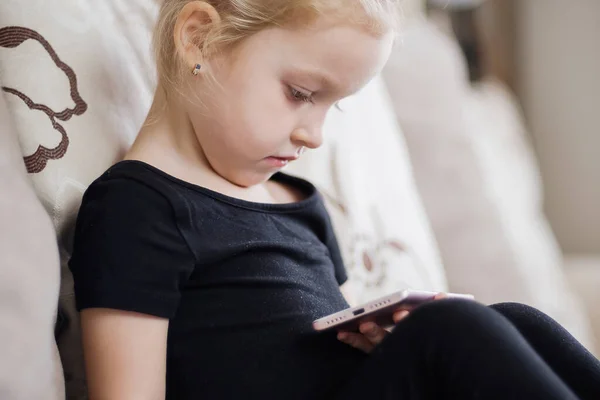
[282,161]
[279,162]
[288,159]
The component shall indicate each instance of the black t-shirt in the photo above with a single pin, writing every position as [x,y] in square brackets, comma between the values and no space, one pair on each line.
[241,282]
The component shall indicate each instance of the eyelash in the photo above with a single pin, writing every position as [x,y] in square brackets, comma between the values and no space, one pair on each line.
[298,95]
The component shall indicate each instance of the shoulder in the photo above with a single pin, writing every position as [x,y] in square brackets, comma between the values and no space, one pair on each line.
[128,186]
[127,213]
[129,252]
[127,201]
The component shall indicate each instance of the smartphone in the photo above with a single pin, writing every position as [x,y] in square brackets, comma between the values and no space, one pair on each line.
[380,311]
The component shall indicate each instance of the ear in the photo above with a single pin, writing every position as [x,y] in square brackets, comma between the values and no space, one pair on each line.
[194,21]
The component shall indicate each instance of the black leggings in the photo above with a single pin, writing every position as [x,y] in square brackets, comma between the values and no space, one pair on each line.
[456,349]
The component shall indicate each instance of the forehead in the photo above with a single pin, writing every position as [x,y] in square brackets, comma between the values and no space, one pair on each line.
[339,55]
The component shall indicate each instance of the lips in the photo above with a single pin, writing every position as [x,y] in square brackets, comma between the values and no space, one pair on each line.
[282,161]
[288,158]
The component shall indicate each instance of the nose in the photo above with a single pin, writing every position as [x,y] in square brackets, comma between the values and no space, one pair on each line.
[309,138]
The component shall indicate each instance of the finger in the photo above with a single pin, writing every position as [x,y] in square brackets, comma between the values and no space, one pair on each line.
[373,332]
[440,296]
[399,315]
[356,340]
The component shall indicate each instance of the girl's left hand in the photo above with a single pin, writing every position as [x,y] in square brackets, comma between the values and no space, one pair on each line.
[371,334]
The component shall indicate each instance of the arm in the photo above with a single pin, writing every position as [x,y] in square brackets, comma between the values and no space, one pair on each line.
[128,255]
[125,354]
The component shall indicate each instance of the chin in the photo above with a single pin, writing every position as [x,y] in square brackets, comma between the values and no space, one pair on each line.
[247,179]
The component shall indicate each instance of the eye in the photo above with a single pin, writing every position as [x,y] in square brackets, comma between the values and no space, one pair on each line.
[299,95]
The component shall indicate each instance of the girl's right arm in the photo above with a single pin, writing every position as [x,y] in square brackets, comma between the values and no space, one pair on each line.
[129,253]
[125,354]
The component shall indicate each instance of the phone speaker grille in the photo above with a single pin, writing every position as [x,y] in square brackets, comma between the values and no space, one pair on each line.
[381,303]
[338,319]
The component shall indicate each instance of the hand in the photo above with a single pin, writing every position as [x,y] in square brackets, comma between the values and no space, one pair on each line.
[370,334]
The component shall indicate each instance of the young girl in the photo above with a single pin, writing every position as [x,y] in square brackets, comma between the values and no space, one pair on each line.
[199,267]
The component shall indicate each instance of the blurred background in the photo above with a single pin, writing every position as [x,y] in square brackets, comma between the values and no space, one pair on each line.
[529,143]
[547,52]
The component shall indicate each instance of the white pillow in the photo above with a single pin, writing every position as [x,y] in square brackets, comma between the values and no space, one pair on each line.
[29,281]
[513,184]
[478,180]
[78,80]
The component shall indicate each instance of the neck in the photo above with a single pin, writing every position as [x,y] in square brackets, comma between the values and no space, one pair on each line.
[168,141]
[167,138]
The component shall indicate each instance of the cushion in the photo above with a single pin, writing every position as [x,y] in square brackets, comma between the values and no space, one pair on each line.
[583,272]
[78,81]
[513,184]
[29,281]
[478,180]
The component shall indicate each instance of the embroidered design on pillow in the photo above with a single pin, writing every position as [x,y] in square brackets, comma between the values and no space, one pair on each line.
[14,36]
[371,256]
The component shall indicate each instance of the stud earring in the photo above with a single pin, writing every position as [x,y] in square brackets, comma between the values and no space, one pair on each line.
[196,69]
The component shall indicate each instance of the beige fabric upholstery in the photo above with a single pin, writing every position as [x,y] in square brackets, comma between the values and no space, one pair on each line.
[29,282]
[478,180]
[584,275]
[513,184]
[78,82]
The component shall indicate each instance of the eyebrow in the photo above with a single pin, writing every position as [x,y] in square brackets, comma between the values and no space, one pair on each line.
[318,76]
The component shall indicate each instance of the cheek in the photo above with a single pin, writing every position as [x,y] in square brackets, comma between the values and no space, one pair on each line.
[261,113]
[249,116]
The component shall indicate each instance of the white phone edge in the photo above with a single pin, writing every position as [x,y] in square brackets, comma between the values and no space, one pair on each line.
[343,316]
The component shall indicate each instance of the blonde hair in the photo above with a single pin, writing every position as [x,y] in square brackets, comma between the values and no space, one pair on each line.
[243,18]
